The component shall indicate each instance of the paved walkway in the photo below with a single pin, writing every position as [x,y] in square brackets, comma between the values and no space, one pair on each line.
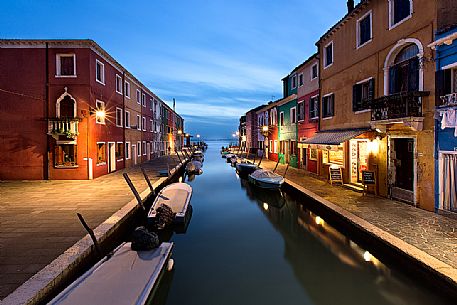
[432,233]
[38,219]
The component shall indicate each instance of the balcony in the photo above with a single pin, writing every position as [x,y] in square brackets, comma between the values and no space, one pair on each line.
[67,127]
[448,100]
[398,106]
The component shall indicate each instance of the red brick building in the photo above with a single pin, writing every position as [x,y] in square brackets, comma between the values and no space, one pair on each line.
[70,111]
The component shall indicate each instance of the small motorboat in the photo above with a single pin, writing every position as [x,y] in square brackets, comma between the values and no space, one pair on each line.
[177,197]
[228,157]
[244,168]
[125,277]
[266,179]
[194,167]
[198,155]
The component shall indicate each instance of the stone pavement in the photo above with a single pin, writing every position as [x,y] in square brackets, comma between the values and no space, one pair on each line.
[38,219]
[430,232]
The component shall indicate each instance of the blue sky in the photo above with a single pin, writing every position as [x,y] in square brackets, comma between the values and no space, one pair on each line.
[217,58]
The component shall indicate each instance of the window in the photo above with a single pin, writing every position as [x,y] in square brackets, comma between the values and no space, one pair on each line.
[127,90]
[334,156]
[328,104]
[314,107]
[270,145]
[294,81]
[399,11]
[118,84]
[127,119]
[314,71]
[66,65]
[364,29]
[281,118]
[127,150]
[120,151]
[152,125]
[138,122]
[293,147]
[67,108]
[99,72]
[100,106]
[151,104]
[301,111]
[362,95]
[313,154]
[144,148]
[275,147]
[293,115]
[328,55]
[143,123]
[300,80]
[404,73]
[118,117]
[138,96]
[143,100]
[101,153]
[138,147]
[65,155]
[273,116]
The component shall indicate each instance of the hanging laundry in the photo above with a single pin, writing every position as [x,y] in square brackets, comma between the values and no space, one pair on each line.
[449,119]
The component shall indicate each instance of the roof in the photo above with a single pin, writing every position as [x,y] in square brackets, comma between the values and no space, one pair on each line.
[335,137]
[346,17]
[315,55]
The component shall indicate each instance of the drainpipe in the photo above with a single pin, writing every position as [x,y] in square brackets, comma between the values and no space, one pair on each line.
[123,117]
[46,111]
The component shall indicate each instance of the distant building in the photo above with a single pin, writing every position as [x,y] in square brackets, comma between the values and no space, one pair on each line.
[71,111]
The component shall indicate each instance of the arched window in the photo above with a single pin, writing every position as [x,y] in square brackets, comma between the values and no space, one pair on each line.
[404,72]
[67,108]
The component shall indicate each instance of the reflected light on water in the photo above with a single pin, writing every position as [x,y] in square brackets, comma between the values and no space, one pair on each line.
[265,206]
[319,221]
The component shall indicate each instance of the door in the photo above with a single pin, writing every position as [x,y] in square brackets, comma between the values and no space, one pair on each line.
[111,157]
[362,159]
[148,150]
[303,157]
[134,154]
[402,174]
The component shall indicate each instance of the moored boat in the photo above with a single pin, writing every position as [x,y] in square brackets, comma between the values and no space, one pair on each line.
[126,277]
[198,155]
[266,179]
[194,167]
[177,196]
[244,168]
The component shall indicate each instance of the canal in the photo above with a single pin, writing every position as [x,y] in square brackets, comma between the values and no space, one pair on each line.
[247,246]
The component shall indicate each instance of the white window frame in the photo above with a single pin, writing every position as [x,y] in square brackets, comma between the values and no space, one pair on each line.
[357,30]
[275,146]
[298,106]
[143,123]
[290,115]
[302,80]
[317,71]
[58,65]
[143,99]
[281,118]
[274,115]
[326,65]
[292,81]
[138,96]
[138,148]
[391,14]
[151,101]
[121,159]
[128,151]
[106,156]
[127,89]
[144,148]
[309,105]
[119,124]
[127,119]
[152,125]
[118,82]
[102,81]
[328,117]
[102,120]
[138,122]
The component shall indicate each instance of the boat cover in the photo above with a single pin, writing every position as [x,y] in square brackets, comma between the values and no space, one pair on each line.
[128,277]
[262,174]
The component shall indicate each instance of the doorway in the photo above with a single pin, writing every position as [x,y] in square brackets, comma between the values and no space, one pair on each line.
[402,168]
[359,159]
[111,157]
[134,154]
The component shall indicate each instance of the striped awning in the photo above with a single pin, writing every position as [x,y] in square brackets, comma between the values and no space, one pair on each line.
[334,137]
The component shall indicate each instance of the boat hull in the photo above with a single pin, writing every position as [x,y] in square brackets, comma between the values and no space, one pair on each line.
[177,196]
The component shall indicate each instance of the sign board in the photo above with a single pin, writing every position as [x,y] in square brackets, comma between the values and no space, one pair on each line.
[368,177]
[336,175]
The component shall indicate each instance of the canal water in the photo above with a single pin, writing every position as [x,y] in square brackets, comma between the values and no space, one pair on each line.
[247,246]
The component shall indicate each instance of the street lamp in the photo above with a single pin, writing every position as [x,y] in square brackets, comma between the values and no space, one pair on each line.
[198,136]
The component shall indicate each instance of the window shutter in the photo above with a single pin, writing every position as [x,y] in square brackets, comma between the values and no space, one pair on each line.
[355,98]
[370,93]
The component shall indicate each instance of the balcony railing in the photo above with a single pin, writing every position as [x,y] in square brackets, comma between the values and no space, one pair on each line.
[449,100]
[397,106]
[63,127]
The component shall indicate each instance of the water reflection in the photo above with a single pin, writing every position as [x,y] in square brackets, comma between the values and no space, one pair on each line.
[325,280]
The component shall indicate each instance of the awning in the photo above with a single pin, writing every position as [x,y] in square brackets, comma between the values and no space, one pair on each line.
[334,137]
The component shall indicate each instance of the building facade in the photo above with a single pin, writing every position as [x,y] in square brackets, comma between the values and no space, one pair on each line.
[79,115]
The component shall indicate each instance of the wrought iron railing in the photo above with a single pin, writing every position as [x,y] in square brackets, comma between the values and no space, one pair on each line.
[449,100]
[63,126]
[399,105]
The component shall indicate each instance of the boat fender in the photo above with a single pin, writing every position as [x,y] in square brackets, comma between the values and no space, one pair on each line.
[170,264]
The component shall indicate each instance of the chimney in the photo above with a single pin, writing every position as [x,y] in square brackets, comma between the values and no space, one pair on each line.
[350,4]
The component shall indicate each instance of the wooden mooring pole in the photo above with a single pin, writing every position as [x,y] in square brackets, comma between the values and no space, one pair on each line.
[91,234]
[134,191]
[147,180]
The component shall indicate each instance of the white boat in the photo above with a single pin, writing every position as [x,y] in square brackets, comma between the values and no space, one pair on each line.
[177,197]
[194,167]
[198,155]
[127,277]
[245,168]
[266,179]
